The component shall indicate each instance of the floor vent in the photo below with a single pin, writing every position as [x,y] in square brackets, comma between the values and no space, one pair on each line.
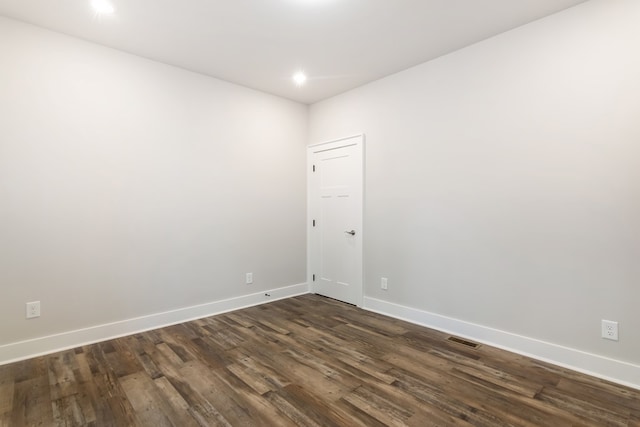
[464,342]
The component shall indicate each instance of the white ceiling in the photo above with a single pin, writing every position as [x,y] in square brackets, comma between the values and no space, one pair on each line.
[340,44]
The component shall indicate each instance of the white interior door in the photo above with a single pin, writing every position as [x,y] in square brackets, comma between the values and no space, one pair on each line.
[335,223]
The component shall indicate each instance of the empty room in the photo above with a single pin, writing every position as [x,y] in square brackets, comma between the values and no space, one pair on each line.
[319,213]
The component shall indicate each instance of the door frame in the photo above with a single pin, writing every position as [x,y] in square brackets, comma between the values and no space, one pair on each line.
[359,141]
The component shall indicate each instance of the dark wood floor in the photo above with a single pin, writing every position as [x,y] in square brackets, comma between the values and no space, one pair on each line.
[307,361]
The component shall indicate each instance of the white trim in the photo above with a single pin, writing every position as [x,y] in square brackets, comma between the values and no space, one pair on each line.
[359,135]
[22,350]
[617,371]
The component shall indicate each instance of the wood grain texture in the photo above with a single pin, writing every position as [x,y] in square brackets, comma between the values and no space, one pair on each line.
[304,361]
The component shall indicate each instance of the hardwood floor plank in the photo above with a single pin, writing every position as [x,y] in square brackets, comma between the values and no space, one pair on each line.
[498,379]
[111,405]
[6,403]
[371,323]
[68,411]
[427,417]
[355,415]
[305,361]
[589,411]
[198,406]
[290,410]
[149,404]
[457,402]
[308,374]
[86,395]
[252,378]
[179,344]
[32,403]
[612,397]
[218,394]
[7,388]
[257,405]
[120,358]
[267,373]
[170,355]
[29,369]
[62,379]
[381,408]
[501,403]
[92,408]
[313,406]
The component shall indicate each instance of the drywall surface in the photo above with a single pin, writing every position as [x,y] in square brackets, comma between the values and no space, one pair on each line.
[503,180]
[129,188]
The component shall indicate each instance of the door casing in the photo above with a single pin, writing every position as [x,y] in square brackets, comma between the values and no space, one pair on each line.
[359,141]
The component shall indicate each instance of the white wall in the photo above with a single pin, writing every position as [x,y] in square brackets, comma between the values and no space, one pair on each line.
[503,180]
[129,188]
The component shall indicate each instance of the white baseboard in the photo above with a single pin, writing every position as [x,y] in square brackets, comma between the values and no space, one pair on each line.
[22,350]
[606,368]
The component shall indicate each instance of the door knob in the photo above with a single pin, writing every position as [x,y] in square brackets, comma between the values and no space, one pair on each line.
[352,232]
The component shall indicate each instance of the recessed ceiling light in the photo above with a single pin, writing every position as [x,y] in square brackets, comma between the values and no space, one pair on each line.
[299,78]
[103,7]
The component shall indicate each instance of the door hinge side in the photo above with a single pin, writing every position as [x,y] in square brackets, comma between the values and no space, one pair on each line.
[314,222]
[314,168]
[314,277]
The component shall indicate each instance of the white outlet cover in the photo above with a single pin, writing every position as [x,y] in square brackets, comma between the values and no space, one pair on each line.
[33,309]
[610,330]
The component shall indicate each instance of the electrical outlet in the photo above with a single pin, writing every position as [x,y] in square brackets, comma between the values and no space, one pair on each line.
[610,330]
[384,284]
[249,279]
[33,309]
